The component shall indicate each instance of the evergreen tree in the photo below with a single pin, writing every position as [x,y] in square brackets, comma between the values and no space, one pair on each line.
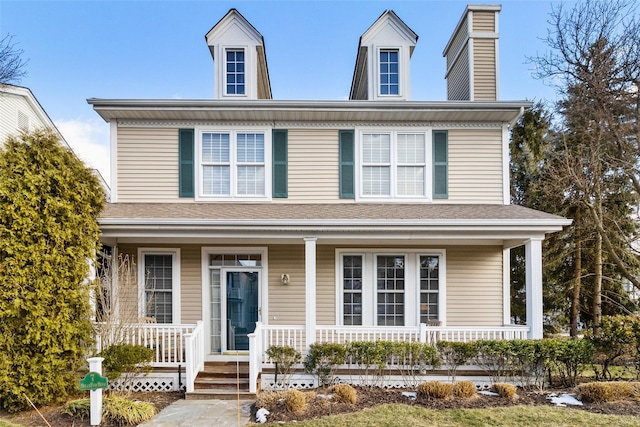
[49,203]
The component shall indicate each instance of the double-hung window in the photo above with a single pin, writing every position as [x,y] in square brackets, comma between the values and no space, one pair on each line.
[394,164]
[235,84]
[233,164]
[389,72]
[159,284]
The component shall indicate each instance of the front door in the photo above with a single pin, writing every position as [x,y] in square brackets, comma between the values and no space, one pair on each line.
[240,306]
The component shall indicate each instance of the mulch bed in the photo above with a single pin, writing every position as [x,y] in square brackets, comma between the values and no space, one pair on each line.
[369,397]
[56,418]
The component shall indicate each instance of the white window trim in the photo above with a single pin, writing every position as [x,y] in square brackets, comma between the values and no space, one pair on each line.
[412,283]
[233,131]
[401,67]
[428,175]
[175,285]
[247,88]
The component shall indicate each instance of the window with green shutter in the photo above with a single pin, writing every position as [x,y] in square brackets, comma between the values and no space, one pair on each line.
[280,163]
[185,159]
[440,164]
[347,165]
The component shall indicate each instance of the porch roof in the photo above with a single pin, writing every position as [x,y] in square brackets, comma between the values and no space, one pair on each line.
[339,220]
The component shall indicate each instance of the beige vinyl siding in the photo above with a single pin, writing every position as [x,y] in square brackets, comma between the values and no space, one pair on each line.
[475,166]
[484,21]
[313,166]
[484,71]
[191,283]
[286,303]
[458,79]
[474,286]
[326,285]
[148,165]
[11,106]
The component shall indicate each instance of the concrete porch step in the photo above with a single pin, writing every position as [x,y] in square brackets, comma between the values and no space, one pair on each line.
[219,394]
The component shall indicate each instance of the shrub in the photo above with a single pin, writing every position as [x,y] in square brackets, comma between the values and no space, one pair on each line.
[505,390]
[616,339]
[49,235]
[602,392]
[268,399]
[124,411]
[322,360]
[79,408]
[454,354]
[284,357]
[114,408]
[413,359]
[345,393]
[568,357]
[465,389]
[371,358]
[295,400]
[494,357]
[435,389]
[126,361]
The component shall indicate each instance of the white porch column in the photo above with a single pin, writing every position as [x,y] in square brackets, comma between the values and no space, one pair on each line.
[310,288]
[506,286]
[533,259]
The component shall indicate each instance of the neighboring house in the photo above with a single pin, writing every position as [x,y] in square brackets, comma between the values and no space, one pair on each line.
[287,222]
[20,111]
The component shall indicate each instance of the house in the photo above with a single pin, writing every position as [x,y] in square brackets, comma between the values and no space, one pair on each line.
[259,222]
[20,111]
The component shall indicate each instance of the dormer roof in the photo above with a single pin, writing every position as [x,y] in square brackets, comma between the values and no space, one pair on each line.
[388,31]
[234,31]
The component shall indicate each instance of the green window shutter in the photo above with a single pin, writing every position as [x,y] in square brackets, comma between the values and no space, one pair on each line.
[440,164]
[347,165]
[186,160]
[280,164]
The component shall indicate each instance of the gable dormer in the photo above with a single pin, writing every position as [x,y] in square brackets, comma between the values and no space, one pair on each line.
[382,71]
[239,59]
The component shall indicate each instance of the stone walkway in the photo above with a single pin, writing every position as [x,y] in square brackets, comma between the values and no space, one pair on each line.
[203,413]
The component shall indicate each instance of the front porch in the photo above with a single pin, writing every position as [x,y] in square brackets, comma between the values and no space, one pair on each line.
[182,347]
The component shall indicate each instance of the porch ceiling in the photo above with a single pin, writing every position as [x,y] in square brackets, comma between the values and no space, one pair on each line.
[280,223]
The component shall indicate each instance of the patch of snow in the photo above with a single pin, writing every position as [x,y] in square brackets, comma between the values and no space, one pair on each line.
[488,393]
[325,396]
[564,399]
[261,415]
[410,394]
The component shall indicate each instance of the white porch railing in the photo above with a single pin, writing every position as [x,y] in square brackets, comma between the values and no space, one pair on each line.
[194,355]
[166,340]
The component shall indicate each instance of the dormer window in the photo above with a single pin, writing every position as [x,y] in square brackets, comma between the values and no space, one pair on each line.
[235,72]
[389,72]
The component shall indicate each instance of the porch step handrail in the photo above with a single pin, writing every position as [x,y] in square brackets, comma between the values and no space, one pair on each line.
[194,355]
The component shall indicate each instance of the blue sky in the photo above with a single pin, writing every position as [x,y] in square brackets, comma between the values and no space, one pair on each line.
[80,49]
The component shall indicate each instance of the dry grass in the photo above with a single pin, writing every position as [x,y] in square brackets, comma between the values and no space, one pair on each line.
[602,392]
[268,398]
[505,390]
[345,393]
[465,389]
[435,389]
[295,400]
[517,416]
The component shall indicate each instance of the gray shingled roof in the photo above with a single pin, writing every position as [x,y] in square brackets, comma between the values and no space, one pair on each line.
[300,213]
